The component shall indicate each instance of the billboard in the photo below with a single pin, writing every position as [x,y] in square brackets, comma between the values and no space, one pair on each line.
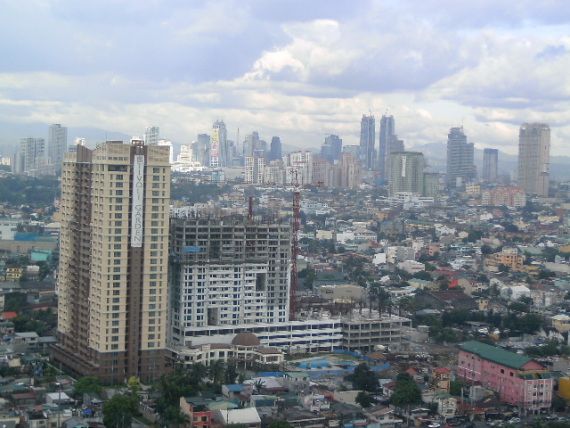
[138,202]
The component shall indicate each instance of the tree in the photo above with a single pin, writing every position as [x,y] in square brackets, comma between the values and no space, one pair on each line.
[519,307]
[50,374]
[15,302]
[118,412]
[364,399]
[406,391]
[231,373]
[280,424]
[381,296]
[168,391]
[473,236]
[216,371]
[503,268]
[455,387]
[258,385]
[198,372]
[174,417]
[558,403]
[545,274]
[363,378]
[87,385]
[422,275]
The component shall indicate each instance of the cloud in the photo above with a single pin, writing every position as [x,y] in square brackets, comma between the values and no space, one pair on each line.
[289,67]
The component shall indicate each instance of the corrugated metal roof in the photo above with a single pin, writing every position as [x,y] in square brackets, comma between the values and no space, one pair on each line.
[495,354]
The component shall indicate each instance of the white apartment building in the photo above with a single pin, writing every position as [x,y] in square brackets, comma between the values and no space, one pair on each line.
[227,272]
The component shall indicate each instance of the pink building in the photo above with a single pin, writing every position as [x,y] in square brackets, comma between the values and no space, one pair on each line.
[518,379]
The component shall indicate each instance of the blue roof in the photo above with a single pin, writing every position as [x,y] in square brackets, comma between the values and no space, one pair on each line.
[235,387]
[270,374]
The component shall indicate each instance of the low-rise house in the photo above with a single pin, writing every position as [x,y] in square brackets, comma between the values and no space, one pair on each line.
[247,417]
[197,412]
[446,405]
[509,257]
[441,379]
[411,266]
[383,417]
[561,323]
[237,390]
[515,292]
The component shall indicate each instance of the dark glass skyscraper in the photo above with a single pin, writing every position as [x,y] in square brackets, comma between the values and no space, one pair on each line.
[367,137]
[275,150]
[332,148]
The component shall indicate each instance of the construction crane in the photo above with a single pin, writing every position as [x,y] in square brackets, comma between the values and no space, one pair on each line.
[295,245]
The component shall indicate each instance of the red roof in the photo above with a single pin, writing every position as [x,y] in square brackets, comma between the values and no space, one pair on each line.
[442,370]
[9,315]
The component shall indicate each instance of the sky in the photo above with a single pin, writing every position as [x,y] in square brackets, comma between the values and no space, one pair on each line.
[295,68]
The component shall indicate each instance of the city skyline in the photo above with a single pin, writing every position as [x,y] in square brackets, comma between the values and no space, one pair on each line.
[301,72]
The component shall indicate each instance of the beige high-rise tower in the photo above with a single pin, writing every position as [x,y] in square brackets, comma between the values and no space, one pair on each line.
[534,158]
[113,281]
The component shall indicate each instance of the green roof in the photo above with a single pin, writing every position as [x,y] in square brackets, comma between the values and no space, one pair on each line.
[495,354]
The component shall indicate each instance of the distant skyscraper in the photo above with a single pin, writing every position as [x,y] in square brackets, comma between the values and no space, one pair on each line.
[387,134]
[431,184]
[219,152]
[332,148]
[254,169]
[349,171]
[276,150]
[31,158]
[534,158]
[407,172]
[251,144]
[113,264]
[151,135]
[57,146]
[490,165]
[460,166]
[367,136]
[353,149]
[201,150]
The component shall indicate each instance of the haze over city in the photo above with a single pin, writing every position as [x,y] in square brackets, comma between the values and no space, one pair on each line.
[297,69]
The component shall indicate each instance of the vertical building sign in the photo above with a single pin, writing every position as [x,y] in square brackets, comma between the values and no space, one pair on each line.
[215,150]
[138,200]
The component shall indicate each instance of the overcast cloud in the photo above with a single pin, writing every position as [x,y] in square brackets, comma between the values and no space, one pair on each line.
[299,69]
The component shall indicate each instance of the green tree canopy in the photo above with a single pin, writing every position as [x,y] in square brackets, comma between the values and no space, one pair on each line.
[280,424]
[87,385]
[364,399]
[406,391]
[365,379]
[118,412]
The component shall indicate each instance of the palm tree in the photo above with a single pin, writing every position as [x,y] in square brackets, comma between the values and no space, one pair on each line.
[382,297]
[198,372]
[258,385]
[216,371]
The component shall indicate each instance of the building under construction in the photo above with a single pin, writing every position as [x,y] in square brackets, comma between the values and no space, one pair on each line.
[227,271]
